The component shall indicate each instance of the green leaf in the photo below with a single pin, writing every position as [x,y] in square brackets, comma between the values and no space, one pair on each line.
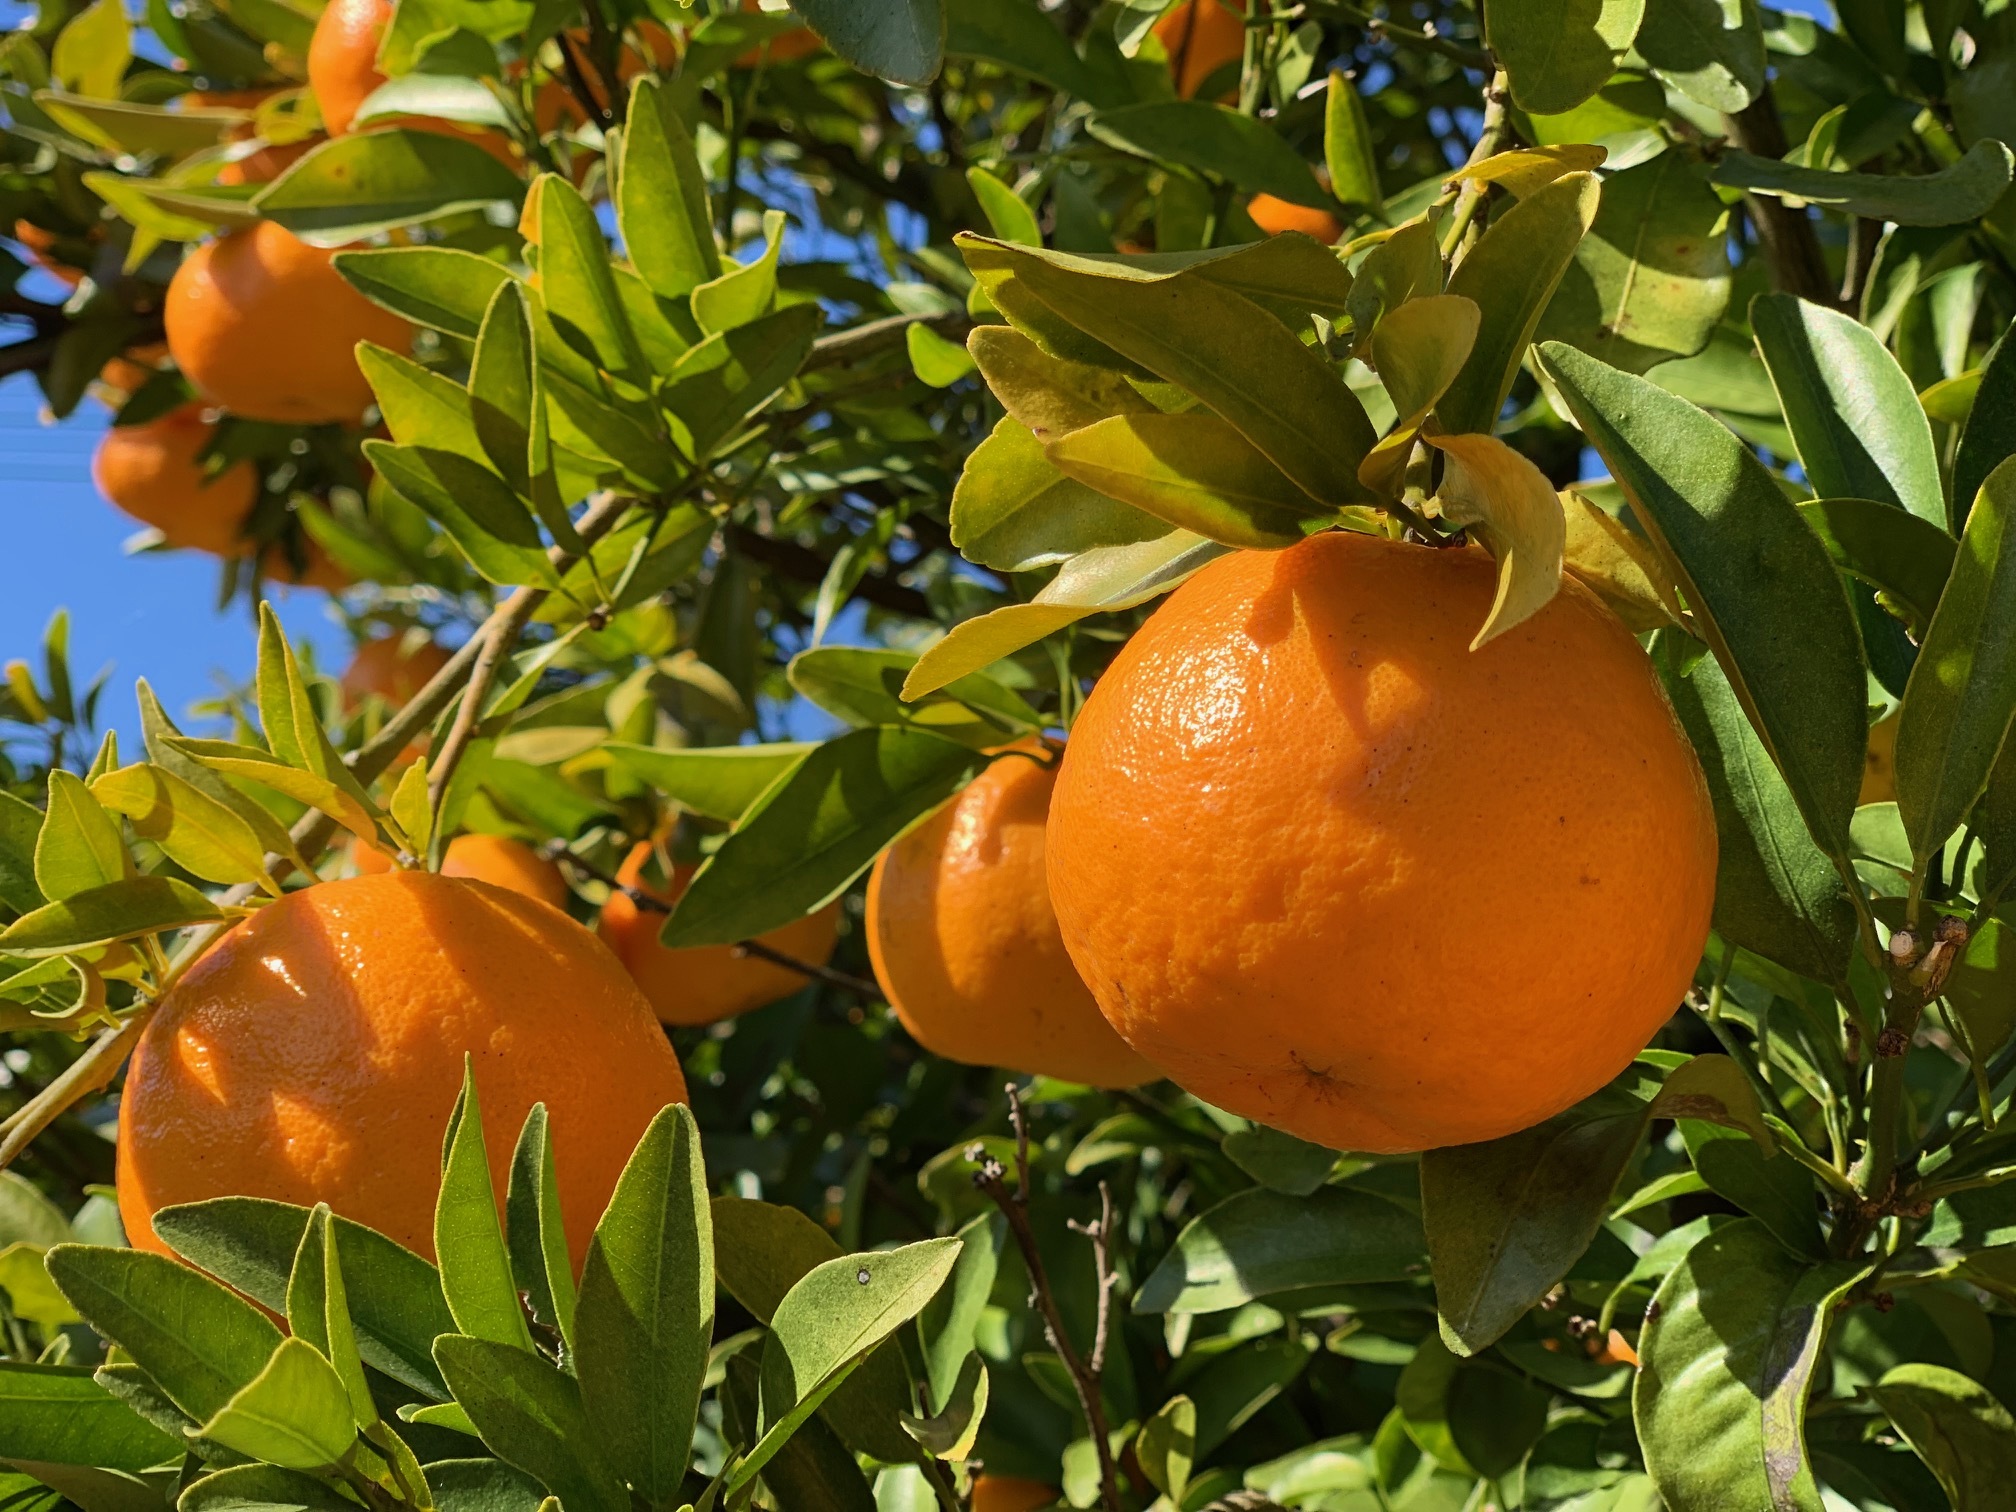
[1261,1243]
[79,847]
[529,1413]
[575,282]
[1012,510]
[733,374]
[1989,436]
[1507,1220]
[1728,1352]
[482,1485]
[199,1342]
[815,830]
[1776,1191]
[1962,1432]
[394,1296]
[1194,471]
[490,524]
[132,129]
[935,361]
[661,197]
[439,287]
[646,1316]
[949,1433]
[1854,415]
[1217,140]
[1650,281]
[747,291]
[1104,579]
[201,835]
[294,1413]
[1750,569]
[950,1319]
[1959,192]
[1026,41]
[1511,274]
[1280,1162]
[59,1414]
[1167,1446]
[160,734]
[864,687]
[902,41]
[293,723]
[475,1266]
[1557,53]
[27,1216]
[421,407]
[1906,557]
[1008,214]
[20,828]
[251,764]
[1418,347]
[261,1488]
[318,1311]
[719,782]
[1712,51]
[1776,892]
[534,1233]
[1348,148]
[92,50]
[356,185]
[116,911]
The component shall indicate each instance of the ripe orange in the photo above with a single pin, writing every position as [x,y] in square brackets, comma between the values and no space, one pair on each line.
[785,47]
[711,982]
[261,323]
[965,942]
[125,374]
[315,1053]
[343,71]
[41,244]
[154,474]
[496,859]
[1330,869]
[1276,215]
[260,167]
[1012,1493]
[388,667]
[318,569]
[1201,37]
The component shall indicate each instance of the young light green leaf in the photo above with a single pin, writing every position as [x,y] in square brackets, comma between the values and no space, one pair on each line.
[935,361]
[1713,1088]
[575,283]
[747,291]
[92,51]
[201,835]
[1961,1431]
[1048,395]
[661,198]
[412,809]
[1418,349]
[1499,493]
[733,374]
[815,830]
[1959,192]
[475,1266]
[294,1413]
[1008,214]
[1167,1447]
[120,910]
[863,686]
[78,847]
[534,1233]
[318,1310]
[1406,265]
[720,782]
[1962,695]
[949,1320]
[421,407]
[1557,53]
[1746,560]
[160,734]
[1511,274]
[1012,510]
[1348,145]
[254,765]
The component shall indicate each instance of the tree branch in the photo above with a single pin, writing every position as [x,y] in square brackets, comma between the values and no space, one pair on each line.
[1791,245]
[807,566]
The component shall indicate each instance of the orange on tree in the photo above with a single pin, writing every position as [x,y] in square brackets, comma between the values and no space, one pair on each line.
[315,1053]
[1201,37]
[343,72]
[706,983]
[263,325]
[1012,1493]
[155,473]
[785,47]
[965,942]
[392,667]
[124,375]
[258,167]
[42,244]
[496,859]
[1274,216]
[1329,868]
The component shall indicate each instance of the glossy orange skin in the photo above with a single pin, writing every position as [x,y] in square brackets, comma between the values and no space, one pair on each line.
[1201,37]
[1012,1493]
[261,324]
[315,1053]
[1276,215]
[708,983]
[496,859]
[1330,869]
[152,473]
[387,668]
[965,943]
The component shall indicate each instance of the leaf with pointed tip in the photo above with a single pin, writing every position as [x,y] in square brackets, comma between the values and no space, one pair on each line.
[1557,53]
[294,1413]
[899,40]
[1961,191]
[440,287]
[1417,349]
[60,1415]
[78,847]
[661,197]
[475,1266]
[1494,490]
[1013,510]
[121,910]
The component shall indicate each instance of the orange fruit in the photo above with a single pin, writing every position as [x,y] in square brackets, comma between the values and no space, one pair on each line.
[154,474]
[785,47]
[1201,37]
[496,859]
[388,667]
[260,167]
[124,375]
[1879,766]
[1012,1493]
[1332,870]
[261,323]
[711,982]
[1276,215]
[343,71]
[965,943]
[315,1053]
[41,245]
[318,569]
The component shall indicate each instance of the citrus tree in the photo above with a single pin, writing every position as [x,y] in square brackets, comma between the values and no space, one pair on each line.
[1398,901]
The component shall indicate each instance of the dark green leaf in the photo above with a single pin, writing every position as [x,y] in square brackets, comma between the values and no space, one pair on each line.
[439,287]
[354,186]
[1959,1428]
[1712,51]
[864,687]
[1557,53]
[899,40]
[482,1485]
[1909,559]
[1280,1162]
[529,1413]
[58,1413]
[1775,1190]
[261,1488]
[1958,192]
[734,373]
[1217,140]
[720,782]
[1989,437]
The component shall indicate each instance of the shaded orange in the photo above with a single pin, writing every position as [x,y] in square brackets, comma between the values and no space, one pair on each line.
[343,71]
[388,667]
[496,859]
[785,47]
[1277,215]
[262,324]
[708,983]
[124,375]
[318,568]
[1012,1493]
[315,1053]
[1330,869]
[1201,37]
[154,473]
[965,943]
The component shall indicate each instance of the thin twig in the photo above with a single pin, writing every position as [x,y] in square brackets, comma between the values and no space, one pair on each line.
[1100,1232]
[880,335]
[1015,1207]
[499,637]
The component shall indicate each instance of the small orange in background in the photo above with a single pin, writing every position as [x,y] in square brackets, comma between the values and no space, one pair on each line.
[315,1053]
[496,859]
[1277,215]
[1012,1493]
[125,375]
[707,983]
[317,570]
[263,325]
[965,942]
[393,668]
[1334,871]
[41,245]
[1201,37]
[785,47]
[153,472]
[343,73]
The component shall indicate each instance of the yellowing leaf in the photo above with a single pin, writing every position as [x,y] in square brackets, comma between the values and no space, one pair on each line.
[1049,395]
[1525,169]
[1418,350]
[1622,569]
[1513,509]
